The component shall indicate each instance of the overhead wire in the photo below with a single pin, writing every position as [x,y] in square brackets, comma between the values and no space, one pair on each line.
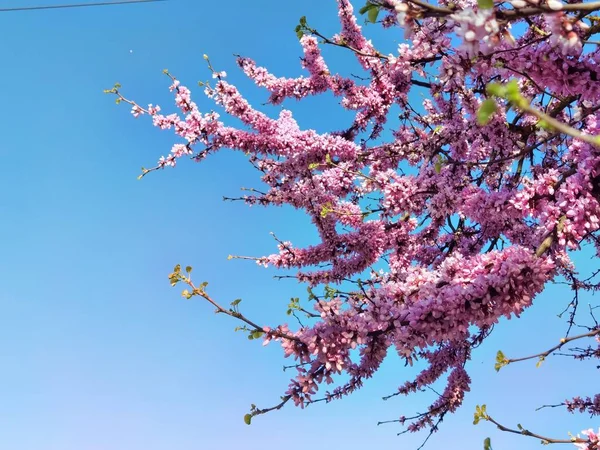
[77,5]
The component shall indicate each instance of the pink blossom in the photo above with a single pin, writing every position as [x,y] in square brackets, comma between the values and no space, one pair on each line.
[432,226]
[593,440]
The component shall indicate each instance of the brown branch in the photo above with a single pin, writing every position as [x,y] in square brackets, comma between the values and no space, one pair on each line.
[563,341]
[326,40]
[534,10]
[284,400]
[421,83]
[178,276]
[430,10]
[544,439]
[434,10]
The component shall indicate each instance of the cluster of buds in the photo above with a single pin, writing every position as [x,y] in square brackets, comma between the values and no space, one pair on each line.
[478,29]
[563,32]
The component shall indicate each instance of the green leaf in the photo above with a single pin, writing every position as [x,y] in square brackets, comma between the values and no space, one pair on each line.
[485,4]
[479,414]
[330,292]
[486,111]
[513,92]
[368,7]
[299,33]
[248,419]
[303,21]
[487,444]
[438,164]
[188,269]
[373,13]
[294,304]
[539,363]
[501,361]
[236,302]
[496,89]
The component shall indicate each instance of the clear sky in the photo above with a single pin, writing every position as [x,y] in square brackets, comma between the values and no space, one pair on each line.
[98,352]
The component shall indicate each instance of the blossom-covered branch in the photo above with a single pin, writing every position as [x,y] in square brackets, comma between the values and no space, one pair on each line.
[432,227]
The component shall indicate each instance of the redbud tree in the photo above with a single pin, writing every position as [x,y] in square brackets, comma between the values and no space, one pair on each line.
[434,229]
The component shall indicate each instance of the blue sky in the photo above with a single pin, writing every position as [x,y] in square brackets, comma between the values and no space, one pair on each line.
[98,351]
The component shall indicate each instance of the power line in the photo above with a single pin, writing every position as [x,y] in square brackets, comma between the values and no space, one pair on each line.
[78,5]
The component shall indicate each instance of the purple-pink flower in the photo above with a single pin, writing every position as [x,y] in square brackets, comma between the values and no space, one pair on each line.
[433,225]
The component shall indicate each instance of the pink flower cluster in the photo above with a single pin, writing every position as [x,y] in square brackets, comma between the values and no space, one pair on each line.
[431,227]
[593,440]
